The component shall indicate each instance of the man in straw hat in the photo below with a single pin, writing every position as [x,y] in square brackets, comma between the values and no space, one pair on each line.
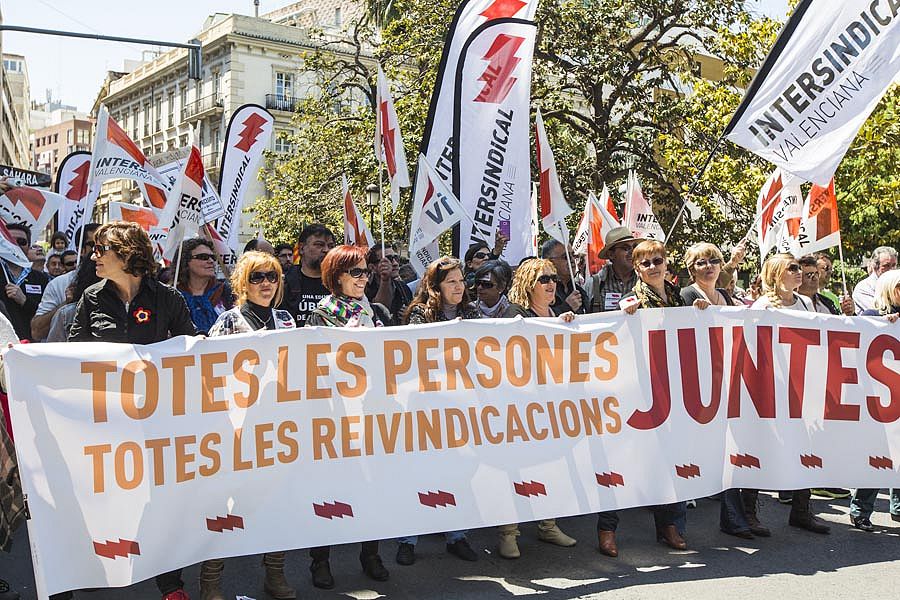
[617,277]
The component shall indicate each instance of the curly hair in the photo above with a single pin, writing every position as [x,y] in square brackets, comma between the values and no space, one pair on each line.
[526,279]
[248,263]
[698,251]
[187,250]
[772,271]
[131,244]
[428,295]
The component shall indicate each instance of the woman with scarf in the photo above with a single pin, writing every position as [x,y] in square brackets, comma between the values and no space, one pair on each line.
[259,286]
[492,281]
[532,295]
[206,297]
[345,274]
[441,296]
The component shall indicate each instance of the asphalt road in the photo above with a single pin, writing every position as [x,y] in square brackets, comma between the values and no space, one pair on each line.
[792,563]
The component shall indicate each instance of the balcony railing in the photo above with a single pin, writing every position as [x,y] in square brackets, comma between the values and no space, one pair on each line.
[202,107]
[279,102]
[211,160]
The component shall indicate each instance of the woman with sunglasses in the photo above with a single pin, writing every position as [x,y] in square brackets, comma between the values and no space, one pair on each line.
[206,296]
[345,274]
[441,296]
[129,306]
[738,515]
[781,278]
[492,280]
[532,294]
[257,282]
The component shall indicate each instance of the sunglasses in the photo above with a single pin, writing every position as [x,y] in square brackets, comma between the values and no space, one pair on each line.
[203,256]
[69,264]
[488,285]
[101,249]
[704,262]
[655,262]
[794,268]
[257,277]
[357,273]
[481,255]
[545,279]
[812,275]
[21,242]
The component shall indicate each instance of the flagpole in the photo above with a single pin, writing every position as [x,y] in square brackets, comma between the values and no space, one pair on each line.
[694,186]
[381,203]
[565,234]
[178,264]
[843,267]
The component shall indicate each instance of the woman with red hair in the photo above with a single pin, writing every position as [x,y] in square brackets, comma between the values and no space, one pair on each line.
[345,274]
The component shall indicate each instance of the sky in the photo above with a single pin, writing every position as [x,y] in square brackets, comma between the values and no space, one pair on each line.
[73,69]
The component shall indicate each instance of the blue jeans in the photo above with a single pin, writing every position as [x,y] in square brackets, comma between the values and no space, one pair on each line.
[862,503]
[731,515]
[451,536]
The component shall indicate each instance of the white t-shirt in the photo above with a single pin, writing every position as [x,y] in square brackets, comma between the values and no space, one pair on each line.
[800,303]
[55,293]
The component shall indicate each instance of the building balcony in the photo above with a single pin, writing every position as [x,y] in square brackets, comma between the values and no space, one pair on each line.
[282,103]
[204,107]
[211,161]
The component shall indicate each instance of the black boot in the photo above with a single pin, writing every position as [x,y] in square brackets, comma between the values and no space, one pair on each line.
[801,515]
[750,499]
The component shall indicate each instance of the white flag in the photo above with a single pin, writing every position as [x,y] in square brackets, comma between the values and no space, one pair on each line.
[554,208]
[639,217]
[825,75]
[355,231]
[388,141]
[72,183]
[439,212]
[30,206]
[778,211]
[183,215]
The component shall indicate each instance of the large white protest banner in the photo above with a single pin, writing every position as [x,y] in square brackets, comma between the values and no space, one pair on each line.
[825,75]
[273,440]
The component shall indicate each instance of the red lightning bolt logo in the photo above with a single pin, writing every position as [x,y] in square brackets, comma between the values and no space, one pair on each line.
[78,185]
[123,548]
[500,9]
[252,128]
[497,77]
[768,205]
[229,522]
[30,198]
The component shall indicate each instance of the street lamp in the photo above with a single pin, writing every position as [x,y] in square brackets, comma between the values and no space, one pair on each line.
[373,196]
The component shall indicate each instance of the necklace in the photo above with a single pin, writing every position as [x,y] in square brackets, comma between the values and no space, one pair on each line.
[257,320]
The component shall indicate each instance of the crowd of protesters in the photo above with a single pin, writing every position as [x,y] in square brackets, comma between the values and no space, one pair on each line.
[110,290]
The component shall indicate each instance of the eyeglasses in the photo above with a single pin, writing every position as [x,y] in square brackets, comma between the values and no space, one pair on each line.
[357,273]
[655,262]
[22,242]
[488,285]
[101,249]
[481,255]
[393,258]
[812,275]
[257,277]
[545,279]
[794,268]
[69,264]
[203,256]
[703,262]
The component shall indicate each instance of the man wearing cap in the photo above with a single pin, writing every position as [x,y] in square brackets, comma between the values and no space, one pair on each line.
[617,277]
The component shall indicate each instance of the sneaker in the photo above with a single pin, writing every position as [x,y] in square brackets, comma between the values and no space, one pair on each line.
[833,493]
[862,523]
[178,594]
[462,549]
[785,497]
[406,554]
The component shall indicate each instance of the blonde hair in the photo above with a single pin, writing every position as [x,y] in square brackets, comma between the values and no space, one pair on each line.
[885,287]
[772,272]
[428,295]
[255,261]
[526,279]
[698,251]
[646,249]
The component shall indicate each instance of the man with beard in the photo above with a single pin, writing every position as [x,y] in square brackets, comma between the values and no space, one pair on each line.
[303,282]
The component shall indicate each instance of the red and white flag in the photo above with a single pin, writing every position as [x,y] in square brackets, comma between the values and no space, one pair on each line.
[820,227]
[639,217]
[388,141]
[116,156]
[72,184]
[132,213]
[10,251]
[554,208]
[249,132]
[31,206]
[598,220]
[778,211]
[183,215]
[439,212]
[355,231]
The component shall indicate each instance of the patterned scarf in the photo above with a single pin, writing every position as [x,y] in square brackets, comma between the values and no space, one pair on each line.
[496,311]
[350,312]
[650,299]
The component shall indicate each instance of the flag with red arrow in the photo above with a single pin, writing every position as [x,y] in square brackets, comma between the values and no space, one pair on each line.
[388,141]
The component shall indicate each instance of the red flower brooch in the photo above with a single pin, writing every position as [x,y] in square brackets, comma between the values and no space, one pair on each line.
[141,315]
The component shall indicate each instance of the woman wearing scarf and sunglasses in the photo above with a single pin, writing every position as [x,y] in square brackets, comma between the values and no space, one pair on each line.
[532,295]
[257,282]
[345,274]
[492,280]
[206,296]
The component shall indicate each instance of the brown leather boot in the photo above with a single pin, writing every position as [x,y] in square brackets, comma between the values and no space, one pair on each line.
[276,585]
[669,536]
[607,542]
[750,499]
[211,579]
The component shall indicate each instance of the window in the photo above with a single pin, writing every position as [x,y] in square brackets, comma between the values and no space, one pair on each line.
[134,123]
[69,135]
[338,19]
[55,138]
[147,119]
[216,81]
[282,141]
[170,104]
[215,139]
[182,141]
[158,113]
[84,136]
[184,98]
[284,85]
